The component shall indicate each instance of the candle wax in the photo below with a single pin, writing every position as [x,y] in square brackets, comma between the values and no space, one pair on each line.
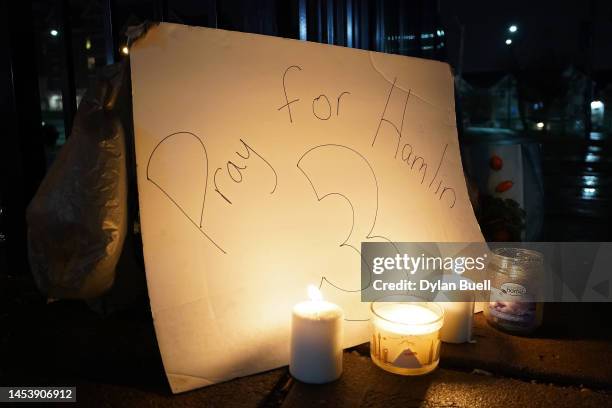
[316,342]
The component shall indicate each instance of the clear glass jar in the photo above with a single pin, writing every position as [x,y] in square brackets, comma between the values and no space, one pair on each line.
[513,305]
[406,336]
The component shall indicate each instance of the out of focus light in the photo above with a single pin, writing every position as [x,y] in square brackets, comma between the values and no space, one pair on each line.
[508,41]
[88,44]
[512,28]
[125,50]
[54,33]
[591,157]
[55,102]
[540,125]
[590,181]
[597,113]
[589,193]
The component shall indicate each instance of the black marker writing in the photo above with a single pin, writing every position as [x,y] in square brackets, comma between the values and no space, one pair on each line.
[321,105]
[176,138]
[338,101]
[235,171]
[217,187]
[287,102]
[408,155]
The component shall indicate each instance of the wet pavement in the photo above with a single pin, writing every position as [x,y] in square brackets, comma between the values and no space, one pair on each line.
[114,362]
[578,188]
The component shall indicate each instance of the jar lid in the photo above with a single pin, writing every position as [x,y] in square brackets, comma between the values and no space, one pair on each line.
[517,261]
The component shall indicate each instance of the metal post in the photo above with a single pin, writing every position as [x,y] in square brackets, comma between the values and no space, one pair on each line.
[330,21]
[109,34]
[461,41]
[588,91]
[212,13]
[340,26]
[364,31]
[162,10]
[319,21]
[402,29]
[419,27]
[22,159]
[302,20]
[380,26]
[350,21]
[68,82]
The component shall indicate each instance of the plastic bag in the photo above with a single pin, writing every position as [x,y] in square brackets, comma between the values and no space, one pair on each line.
[77,219]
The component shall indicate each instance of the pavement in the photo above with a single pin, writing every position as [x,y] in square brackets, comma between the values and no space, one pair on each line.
[114,362]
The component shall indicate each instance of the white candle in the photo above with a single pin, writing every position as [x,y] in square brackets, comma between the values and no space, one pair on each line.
[316,340]
[458,322]
[458,313]
[405,337]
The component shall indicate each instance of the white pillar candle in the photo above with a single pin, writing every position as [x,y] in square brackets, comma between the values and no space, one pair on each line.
[316,340]
[405,336]
[458,322]
[458,312]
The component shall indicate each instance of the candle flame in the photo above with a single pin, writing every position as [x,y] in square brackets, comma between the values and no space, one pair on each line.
[314,293]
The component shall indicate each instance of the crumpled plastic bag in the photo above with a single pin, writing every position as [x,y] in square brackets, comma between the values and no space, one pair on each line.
[77,219]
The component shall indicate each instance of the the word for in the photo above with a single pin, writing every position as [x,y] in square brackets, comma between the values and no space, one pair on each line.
[321,106]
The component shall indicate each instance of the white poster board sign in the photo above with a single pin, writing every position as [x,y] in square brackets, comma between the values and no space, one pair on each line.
[263,163]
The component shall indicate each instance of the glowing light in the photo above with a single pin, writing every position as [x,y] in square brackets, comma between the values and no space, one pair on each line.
[590,181]
[314,293]
[508,41]
[589,193]
[88,44]
[54,33]
[512,28]
[540,125]
[597,105]
[55,102]
[591,157]
[125,50]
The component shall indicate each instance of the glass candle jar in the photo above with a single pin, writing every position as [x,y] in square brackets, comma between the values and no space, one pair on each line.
[513,305]
[406,336]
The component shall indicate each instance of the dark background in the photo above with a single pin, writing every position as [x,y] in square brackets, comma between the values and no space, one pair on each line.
[53,49]
[558,64]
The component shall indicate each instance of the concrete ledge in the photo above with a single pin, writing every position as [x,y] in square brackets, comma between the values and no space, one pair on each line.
[365,385]
[242,392]
[564,361]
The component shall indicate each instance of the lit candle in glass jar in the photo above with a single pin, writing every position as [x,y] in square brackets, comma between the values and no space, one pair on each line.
[406,336]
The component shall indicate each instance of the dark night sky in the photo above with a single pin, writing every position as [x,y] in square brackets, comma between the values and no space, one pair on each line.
[543,26]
